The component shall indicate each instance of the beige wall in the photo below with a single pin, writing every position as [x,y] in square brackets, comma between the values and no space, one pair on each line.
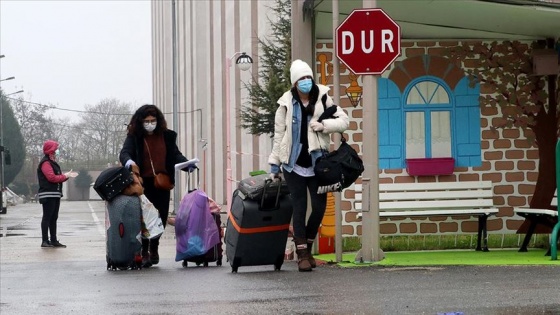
[209,32]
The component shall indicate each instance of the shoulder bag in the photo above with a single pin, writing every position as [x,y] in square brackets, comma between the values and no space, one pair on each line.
[338,169]
[161,180]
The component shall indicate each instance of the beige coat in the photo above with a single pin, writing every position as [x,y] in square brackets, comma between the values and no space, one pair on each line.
[282,144]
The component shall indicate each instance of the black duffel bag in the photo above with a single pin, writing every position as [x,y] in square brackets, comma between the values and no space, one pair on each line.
[338,169]
[112,182]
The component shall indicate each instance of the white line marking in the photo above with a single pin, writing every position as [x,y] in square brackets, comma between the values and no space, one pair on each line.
[100,225]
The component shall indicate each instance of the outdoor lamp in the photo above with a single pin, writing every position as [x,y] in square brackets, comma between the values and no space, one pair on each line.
[354,91]
[244,61]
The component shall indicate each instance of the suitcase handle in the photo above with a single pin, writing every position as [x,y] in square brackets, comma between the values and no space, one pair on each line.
[267,184]
[189,180]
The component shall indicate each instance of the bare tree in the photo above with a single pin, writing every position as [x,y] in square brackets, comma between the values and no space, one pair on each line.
[36,126]
[103,129]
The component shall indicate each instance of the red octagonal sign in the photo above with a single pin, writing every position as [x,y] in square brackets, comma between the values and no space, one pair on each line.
[368,41]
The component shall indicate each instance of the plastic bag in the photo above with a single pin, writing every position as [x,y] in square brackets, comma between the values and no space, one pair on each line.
[152,226]
[195,229]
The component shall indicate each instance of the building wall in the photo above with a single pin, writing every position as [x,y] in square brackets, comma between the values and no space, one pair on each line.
[208,34]
[509,160]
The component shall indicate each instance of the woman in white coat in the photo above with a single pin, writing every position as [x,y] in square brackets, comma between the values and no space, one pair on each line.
[299,139]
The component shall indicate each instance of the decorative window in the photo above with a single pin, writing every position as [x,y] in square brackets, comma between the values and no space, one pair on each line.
[428,113]
[429,120]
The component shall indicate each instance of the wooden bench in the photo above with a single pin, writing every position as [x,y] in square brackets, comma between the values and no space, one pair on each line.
[547,217]
[472,198]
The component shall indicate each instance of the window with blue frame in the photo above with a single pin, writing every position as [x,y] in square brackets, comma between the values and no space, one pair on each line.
[427,111]
[428,120]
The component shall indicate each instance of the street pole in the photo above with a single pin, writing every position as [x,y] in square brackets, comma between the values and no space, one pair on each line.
[177,190]
[371,250]
[1,157]
[229,174]
[244,62]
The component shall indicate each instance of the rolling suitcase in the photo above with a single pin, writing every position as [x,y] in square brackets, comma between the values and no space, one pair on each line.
[257,230]
[194,231]
[215,254]
[123,224]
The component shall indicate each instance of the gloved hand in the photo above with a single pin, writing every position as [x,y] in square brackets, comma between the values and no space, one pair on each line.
[274,177]
[317,126]
[129,163]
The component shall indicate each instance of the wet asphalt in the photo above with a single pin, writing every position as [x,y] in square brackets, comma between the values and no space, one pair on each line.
[74,280]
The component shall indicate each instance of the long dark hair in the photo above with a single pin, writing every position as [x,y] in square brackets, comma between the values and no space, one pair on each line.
[136,125]
[313,97]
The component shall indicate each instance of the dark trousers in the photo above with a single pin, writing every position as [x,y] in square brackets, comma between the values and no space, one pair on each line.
[160,199]
[51,206]
[299,186]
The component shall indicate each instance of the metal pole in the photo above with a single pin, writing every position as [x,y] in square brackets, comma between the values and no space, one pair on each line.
[2,157]
[229,175]
[336,95]
[1,153]
[370,203]
[177,191]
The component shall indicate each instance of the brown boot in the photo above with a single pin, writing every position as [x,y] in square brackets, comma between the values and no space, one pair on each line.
[302,254]
[312,261]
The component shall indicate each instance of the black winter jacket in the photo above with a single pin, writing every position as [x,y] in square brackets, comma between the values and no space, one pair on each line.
[133,149]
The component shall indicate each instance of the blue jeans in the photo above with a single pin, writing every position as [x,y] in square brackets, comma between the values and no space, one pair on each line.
[298,186]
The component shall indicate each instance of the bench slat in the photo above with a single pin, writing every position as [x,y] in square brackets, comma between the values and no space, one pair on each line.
[443,212]
[436,204]
[436,186]
[435,195]
[521,210]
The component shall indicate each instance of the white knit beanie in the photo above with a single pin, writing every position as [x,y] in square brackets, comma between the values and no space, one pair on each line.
[299,69]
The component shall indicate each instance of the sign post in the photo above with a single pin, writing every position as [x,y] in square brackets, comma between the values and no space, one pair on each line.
[367,42]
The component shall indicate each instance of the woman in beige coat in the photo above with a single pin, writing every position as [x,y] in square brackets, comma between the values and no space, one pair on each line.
[299,139]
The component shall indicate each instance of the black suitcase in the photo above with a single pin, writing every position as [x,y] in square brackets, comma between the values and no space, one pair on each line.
[214,254]
[112,181]
[257,231]
[123,225]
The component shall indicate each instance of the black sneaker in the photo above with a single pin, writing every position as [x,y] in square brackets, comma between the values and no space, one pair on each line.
[46,244]
[146,263]
[57,244]
[154,258]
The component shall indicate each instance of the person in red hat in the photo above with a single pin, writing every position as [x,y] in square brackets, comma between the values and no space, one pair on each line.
[50,178]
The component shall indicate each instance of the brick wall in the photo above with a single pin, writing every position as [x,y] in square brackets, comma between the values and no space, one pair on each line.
[509,160]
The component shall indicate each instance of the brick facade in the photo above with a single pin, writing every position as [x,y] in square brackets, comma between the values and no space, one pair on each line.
[509,160]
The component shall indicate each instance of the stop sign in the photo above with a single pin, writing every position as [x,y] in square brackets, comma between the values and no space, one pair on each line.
[368,41]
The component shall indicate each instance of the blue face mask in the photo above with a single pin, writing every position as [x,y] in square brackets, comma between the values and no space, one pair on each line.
[305,85]
[56,152]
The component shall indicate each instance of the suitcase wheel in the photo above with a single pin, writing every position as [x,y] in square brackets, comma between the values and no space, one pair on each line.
[185,264]
[278,263]
[234,269]
[219,262]
[205,264]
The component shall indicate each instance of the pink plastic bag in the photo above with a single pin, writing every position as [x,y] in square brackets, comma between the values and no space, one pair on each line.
[195,229]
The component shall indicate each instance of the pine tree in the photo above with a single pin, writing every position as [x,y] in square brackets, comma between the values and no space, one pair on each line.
[274,77]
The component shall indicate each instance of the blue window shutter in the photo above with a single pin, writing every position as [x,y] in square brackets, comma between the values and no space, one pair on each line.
[467,124]
[390,125]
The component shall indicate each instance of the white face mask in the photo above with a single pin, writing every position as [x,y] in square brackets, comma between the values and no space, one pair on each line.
[150,127]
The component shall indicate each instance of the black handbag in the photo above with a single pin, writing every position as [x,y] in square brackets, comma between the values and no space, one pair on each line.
[338,169]
[112,182]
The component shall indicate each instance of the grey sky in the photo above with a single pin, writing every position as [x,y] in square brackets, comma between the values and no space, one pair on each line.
[73,53]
